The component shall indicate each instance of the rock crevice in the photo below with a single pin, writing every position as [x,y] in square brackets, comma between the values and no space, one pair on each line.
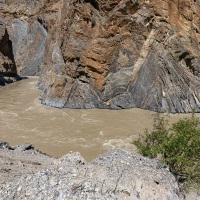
[8,70]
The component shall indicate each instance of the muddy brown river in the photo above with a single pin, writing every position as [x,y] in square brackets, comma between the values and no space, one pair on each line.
[57,131]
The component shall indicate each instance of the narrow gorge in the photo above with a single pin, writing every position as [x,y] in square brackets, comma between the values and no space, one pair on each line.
[111,54]
[108,65]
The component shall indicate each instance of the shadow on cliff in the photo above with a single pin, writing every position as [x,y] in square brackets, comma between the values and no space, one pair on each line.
[9,69]
[6,48]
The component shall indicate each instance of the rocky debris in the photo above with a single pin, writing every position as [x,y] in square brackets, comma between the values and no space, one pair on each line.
[109,54]
[17,161]
[5,79]
[22,147]
[25,147]
[4,145]
[116,174]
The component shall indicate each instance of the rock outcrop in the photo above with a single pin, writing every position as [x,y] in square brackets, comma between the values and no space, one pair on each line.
[27,33]
[109,54]
[8,71]
[117,174]
[122,54]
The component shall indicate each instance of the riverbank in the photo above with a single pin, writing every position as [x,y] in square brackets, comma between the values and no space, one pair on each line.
[117,174]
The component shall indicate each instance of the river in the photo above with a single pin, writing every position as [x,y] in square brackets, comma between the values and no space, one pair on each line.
[23,119]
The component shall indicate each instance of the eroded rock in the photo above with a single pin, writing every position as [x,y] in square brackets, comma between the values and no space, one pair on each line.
[116,174]
[118,54]
[109,54]
[8,71]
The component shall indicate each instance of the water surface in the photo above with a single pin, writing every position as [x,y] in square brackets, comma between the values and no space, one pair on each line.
[57,131]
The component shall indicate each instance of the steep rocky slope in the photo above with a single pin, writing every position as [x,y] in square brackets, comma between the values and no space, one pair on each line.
[109,54]
[28,36]
[116,174]
[8,71]
[27,174]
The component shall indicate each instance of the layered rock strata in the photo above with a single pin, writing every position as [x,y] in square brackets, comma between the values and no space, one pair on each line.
[110,54]
[27,33]
[123,54]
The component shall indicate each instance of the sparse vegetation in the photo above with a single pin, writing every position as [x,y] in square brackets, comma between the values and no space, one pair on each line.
[177,145]
[137,2]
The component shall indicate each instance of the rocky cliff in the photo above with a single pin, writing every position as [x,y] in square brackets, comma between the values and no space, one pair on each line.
[109,54]
[8,71]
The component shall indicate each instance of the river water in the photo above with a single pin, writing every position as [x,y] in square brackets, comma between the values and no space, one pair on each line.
[57,131]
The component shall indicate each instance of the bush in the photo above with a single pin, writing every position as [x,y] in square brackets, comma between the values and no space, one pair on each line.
[177,145]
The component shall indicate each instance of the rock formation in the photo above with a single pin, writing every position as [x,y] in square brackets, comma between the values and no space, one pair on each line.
[109,54]
[8,71]
[28,174]
[117,174]
[27,34]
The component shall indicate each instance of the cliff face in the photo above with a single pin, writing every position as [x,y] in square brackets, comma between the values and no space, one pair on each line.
[112,54]
[7,63]
[27,34]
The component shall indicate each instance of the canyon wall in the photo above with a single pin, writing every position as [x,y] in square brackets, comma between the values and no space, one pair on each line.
[27,34]
[109,54]
[7,63]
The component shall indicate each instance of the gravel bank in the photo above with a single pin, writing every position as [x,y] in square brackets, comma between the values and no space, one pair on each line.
[117,174]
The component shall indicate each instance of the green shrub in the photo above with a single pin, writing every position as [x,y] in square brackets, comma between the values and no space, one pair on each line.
[137,2]
[177,145]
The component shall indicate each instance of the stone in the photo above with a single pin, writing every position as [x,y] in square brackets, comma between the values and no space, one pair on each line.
[107,178]
[4,145]
[8,70]
[24,147]
[116,174]
[112,54]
